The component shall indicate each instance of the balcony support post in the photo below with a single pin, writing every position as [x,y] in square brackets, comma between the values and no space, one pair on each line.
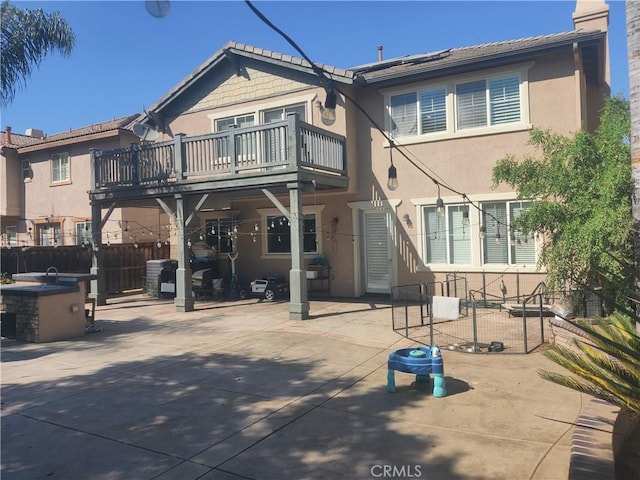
[298,303]
[184,295]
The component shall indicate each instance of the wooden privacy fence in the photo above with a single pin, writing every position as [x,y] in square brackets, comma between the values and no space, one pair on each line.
[124,265]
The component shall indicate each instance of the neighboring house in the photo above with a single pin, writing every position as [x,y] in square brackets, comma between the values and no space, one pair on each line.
[45,184]
[236,168]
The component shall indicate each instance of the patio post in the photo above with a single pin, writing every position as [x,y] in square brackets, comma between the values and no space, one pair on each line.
[298,304]
[184,296]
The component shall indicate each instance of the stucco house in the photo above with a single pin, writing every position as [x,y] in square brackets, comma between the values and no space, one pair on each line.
[247,156]
[44,199]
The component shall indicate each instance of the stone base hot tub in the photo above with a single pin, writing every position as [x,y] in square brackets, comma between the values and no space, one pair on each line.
[46,308]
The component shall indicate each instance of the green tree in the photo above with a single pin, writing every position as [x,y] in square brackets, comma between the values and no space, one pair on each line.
[27,37]
[581,190]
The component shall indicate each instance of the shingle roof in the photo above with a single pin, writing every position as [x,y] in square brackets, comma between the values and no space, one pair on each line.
[18,140]
[401,67]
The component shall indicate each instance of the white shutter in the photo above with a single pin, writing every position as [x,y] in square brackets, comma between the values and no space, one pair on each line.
[435,236]
[471,101]
[524,250]
[433,111]
[404,116]
[504,96]
[494,219]
[377,252]
[459,237]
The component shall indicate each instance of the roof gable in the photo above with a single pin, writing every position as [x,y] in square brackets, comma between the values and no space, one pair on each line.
[233,56]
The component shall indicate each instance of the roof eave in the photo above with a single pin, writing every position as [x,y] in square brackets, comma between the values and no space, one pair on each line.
[45,145]
[462,66]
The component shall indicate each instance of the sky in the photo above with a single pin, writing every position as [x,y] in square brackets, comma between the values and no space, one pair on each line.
[125,59]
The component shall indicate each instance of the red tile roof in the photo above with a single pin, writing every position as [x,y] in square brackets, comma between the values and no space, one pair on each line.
[18,140]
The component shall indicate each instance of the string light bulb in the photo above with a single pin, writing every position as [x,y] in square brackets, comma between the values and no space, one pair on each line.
[439,203]
[392,178]
[328,111]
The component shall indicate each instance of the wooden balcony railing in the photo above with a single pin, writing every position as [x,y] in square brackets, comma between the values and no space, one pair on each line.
[287,145]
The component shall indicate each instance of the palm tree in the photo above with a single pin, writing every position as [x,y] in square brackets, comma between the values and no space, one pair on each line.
[27,37]
[605,361]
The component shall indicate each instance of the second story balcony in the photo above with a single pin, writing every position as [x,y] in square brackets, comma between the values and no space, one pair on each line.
[260,156]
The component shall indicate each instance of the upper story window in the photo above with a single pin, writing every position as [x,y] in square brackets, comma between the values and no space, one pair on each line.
[483,103]
[27,173]
[239,121]
[277,114]
[455,107]
[419,113]
[60,171]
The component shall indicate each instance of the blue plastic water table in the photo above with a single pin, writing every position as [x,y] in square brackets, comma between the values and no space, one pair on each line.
[421,361]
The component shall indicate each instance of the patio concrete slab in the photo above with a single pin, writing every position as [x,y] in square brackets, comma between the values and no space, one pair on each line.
[237,390]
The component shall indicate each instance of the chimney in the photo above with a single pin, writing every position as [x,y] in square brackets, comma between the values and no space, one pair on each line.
[591,15]
[379,53]
[594,15]
[8,136]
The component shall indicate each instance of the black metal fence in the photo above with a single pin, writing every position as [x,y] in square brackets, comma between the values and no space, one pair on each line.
[508,325]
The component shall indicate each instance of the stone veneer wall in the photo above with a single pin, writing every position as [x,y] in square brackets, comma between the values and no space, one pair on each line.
[27,316]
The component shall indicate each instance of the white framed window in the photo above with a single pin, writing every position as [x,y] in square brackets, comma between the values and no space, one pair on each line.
[48,234]
[60,168]
[447,238]
[27,173]
[280,113]
[502,244]
[240,121]
[488,102]
[457,107]
[83,233]
[418,113]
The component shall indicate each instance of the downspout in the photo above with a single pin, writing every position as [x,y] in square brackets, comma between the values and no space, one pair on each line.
[579,89]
